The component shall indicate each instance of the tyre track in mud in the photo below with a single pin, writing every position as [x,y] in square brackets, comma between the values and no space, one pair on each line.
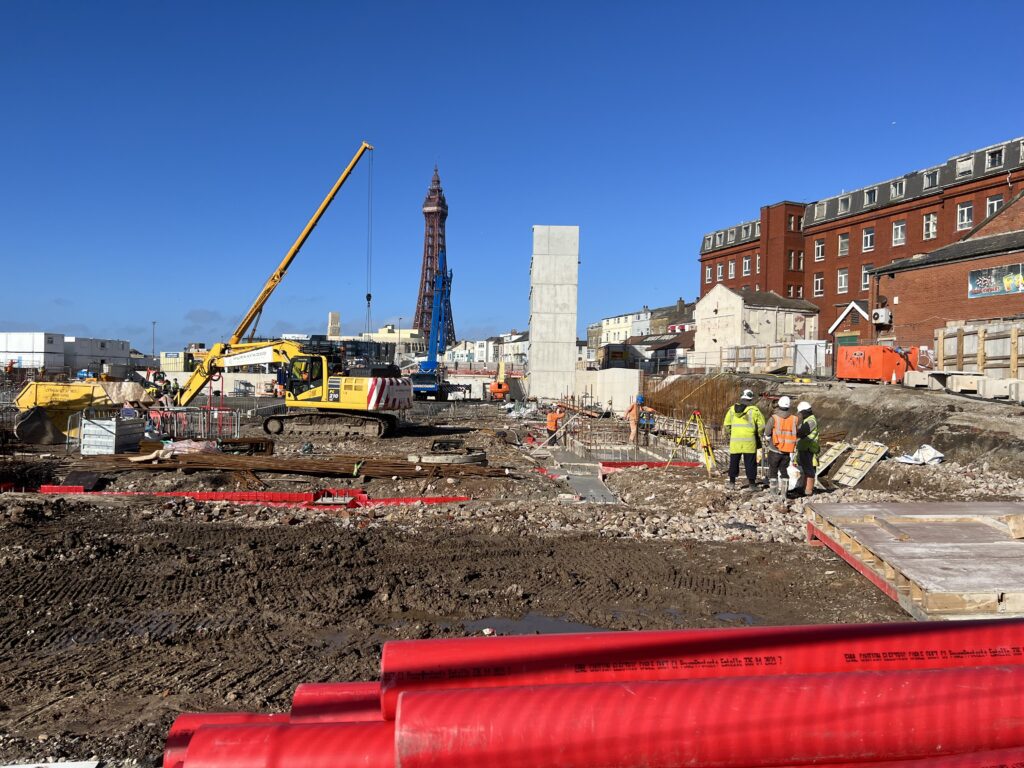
[116,617]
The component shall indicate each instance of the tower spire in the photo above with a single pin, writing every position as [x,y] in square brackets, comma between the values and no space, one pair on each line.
[435,213]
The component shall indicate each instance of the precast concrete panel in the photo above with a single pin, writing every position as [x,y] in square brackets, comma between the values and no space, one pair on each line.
[554,274]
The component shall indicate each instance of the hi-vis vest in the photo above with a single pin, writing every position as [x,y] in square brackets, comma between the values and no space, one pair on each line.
[743,428]
[810,442]
[553,418]
[784,433]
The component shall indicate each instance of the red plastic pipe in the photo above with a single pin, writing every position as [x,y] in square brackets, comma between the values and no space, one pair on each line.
[185,725]
[751,722]
[319,745]
[996,758]
[480,662]
[336,702]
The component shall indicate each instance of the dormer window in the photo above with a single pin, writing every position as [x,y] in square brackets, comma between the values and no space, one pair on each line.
[897,189]
[844,204]
[965,166]
[870,196]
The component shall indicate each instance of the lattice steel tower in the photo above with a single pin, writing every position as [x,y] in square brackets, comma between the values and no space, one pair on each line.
[435,212]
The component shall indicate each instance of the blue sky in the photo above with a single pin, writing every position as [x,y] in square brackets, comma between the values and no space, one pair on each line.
[157,159]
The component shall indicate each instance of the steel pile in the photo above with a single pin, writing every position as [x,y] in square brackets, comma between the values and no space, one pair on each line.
[333,466]
[916,695]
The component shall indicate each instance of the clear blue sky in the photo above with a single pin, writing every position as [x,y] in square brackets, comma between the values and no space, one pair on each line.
[157,159]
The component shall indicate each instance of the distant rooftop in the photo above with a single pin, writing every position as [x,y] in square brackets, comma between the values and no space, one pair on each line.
[976,164]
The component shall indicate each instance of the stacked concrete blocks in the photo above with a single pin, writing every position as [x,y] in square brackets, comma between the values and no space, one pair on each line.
[554,280]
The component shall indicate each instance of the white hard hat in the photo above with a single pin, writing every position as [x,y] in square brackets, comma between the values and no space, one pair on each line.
[804,406]
[747,395]
[784,402]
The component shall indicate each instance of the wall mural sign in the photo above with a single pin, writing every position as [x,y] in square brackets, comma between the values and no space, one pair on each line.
[995,281]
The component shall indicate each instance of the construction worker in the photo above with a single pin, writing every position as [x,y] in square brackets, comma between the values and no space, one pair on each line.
[633,416]
[807,446]
[744,424]
[780,438]
[553,418]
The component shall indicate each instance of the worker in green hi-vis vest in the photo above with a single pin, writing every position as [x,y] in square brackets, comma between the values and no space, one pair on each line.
[743,423]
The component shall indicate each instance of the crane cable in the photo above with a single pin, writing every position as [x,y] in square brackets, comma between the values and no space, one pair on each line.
[369,241]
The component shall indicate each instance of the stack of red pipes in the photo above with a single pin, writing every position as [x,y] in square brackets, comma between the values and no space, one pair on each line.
[947,695]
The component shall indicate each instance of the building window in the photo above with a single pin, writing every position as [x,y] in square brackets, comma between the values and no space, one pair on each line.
[964,215]
[707,242]
[819,284]
[931,226]
[745,231]
[732,268]
[792,260]
[867,239]
[799,222]
[899,232]
[757,229]
[994,158]
[800,261]
[757,260]
[720,271]
[897,189]
[719,238]
[819,211]
[791,223]
[965,166]
[746,265]
[732,235]
[799,291]
[870,196]
[757,286]
[790,291]
[842,280]
[865,278]
[931,179]
[819,249]
[993,204]
[844,204]
[844,243]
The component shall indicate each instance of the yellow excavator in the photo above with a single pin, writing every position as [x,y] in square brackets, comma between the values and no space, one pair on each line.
[323,394]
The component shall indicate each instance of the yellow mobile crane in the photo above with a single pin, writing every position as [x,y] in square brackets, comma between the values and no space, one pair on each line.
[322,392]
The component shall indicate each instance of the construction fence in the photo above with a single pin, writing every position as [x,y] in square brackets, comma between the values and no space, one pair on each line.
[812,358]
[993,349]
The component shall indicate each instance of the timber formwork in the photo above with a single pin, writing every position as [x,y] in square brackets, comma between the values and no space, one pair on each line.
[937,560]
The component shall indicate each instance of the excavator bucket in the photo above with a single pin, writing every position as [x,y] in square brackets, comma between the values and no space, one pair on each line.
[35,427]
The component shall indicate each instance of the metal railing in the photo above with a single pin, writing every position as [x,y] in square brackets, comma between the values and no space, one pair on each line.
[195,423]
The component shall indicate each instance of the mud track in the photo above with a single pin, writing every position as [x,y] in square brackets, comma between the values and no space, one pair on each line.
[117,617]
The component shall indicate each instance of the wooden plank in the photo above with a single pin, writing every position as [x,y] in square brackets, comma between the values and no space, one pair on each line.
[959,349]
[981,350]
[940,349]
[1014,354]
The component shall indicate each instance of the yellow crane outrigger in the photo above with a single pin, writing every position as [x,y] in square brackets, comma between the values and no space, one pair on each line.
[322,392]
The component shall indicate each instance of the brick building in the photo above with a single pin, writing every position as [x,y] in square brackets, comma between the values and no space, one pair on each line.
[765,254]
[848,235]
[980,277]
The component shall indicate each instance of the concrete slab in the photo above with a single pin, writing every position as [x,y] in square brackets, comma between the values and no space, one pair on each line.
[963,383]
[995,389]
[915,379]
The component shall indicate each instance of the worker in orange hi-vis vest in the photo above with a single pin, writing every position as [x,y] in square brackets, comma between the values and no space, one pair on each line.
[633,416]
[553,418]
[780,437]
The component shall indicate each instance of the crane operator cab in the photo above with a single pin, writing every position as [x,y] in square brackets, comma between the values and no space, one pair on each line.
[305,375]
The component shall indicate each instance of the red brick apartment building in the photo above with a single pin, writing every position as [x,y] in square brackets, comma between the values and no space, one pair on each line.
[824,251]
[980,277]
[848,235]
[765,254]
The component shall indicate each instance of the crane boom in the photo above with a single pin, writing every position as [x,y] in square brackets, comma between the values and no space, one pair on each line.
[275,278]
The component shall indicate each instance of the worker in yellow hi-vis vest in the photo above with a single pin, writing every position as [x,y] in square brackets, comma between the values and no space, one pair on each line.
[744,423]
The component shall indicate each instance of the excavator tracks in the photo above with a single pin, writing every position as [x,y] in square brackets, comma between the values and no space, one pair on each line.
[331,424]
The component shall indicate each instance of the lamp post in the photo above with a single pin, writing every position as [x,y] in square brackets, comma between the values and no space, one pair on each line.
[398,349]
[154,340]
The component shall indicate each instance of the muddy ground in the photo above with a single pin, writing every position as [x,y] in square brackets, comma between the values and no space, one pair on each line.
[120,613]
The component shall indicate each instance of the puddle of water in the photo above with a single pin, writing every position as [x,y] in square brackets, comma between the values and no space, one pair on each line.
[747,619]
[530,624]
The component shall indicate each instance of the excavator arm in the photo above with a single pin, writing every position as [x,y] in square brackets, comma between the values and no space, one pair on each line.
[222,353]
[221,357]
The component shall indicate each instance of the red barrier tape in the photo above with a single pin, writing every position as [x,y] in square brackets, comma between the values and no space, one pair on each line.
[336,702]
[485,662]
[321,745]
[751,722]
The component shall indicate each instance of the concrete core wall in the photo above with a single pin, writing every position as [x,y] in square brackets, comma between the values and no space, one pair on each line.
[554,279]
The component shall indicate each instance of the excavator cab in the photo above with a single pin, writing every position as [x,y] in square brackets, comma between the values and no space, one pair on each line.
[305,374]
